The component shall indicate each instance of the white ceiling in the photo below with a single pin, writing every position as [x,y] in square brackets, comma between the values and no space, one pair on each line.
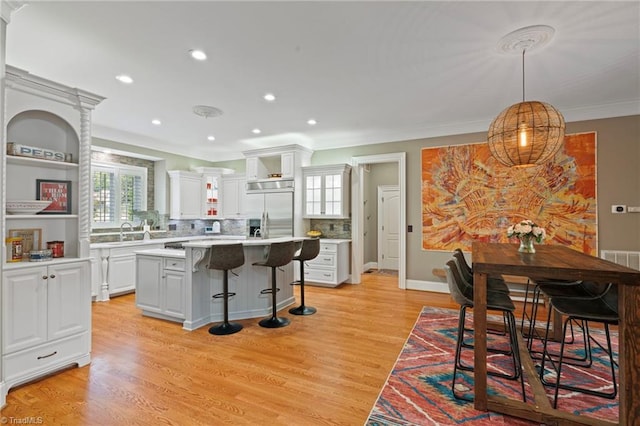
[368,72]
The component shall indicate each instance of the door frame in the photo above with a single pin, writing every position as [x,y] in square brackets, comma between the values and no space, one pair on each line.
[357,221]
[381,189]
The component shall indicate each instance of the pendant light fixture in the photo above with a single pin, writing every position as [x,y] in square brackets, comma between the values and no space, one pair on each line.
[530,132]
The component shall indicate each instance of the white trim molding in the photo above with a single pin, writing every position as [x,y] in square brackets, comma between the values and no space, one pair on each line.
[434,286]
[357,221]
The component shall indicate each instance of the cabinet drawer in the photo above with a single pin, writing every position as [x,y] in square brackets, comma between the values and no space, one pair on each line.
[320,275]
[44,358]
[328,247]
[174,264]
[323,259]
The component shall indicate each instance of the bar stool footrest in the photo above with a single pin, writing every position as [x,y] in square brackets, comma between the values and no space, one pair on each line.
[222,295]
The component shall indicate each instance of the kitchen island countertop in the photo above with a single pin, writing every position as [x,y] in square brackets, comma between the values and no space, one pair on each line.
[244,242]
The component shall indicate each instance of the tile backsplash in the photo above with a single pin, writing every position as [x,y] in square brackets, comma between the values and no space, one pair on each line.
[173,228]
[332,228]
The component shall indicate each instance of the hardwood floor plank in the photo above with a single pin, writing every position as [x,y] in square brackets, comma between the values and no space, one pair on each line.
[323,369]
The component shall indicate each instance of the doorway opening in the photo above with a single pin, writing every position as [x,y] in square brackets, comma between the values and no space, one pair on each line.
[358,217]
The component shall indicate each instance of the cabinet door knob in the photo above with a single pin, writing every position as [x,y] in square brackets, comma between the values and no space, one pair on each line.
[44,277]
[52,276]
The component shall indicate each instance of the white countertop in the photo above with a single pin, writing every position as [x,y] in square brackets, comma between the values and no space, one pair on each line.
[116,244]
[245,242]
[176,253]
[209,240]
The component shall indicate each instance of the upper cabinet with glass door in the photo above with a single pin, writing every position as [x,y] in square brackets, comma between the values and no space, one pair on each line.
[326,191]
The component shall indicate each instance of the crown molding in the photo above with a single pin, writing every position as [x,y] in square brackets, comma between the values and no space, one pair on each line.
[7,7]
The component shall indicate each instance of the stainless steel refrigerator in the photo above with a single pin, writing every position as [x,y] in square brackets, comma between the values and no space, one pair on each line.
[275,211]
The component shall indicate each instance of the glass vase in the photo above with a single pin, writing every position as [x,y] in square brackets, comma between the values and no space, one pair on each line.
[526,245]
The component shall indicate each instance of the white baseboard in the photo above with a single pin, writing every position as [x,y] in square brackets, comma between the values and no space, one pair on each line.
[435,286]
[439,287]
[369,265]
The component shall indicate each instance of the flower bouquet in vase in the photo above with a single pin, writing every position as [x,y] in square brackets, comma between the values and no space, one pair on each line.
[527,232]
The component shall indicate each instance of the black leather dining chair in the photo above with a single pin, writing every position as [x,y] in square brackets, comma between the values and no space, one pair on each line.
[563,289]
[602,309]
[496,301]
[493,283]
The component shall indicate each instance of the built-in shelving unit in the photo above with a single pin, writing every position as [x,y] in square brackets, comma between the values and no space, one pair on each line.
[46,305]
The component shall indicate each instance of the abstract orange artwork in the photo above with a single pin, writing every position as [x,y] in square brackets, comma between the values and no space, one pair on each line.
[468,196]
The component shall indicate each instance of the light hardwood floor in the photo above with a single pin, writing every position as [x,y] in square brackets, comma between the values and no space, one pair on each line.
[323,369]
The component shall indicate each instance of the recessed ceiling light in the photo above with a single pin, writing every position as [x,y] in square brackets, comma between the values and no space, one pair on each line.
[123,78]
[198,54]
[311,122]
[211,138]
[156,122]
[269,97]
[257,131]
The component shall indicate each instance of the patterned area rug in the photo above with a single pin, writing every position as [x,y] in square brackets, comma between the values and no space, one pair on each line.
[418,389]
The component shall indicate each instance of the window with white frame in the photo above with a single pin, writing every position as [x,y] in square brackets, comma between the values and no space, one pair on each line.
[118,190]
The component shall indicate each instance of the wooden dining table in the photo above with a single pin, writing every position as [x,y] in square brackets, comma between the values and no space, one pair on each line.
[556,262]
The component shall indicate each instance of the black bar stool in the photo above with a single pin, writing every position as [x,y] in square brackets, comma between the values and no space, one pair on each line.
[280,254]
[224,257]
[310,249]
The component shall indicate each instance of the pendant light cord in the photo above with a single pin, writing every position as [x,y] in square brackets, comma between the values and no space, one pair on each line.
[523,50]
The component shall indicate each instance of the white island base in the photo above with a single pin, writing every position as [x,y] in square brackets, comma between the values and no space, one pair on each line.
[187,296]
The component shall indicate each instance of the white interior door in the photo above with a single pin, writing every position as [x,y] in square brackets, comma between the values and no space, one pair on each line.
[388,227]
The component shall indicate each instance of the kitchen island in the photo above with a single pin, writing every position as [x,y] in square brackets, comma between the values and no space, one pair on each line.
[176,285]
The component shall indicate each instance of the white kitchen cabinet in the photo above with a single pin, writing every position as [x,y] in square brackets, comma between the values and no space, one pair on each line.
[116,272]
[255,169]
[46,319]
[326,191]
[196,194]
[331,266]
[160,290]
[186,195]
[122,271]
[284,161]
[233,196]
[287,165]
[46,322]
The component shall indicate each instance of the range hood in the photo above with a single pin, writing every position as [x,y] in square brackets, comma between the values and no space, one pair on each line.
[270,185]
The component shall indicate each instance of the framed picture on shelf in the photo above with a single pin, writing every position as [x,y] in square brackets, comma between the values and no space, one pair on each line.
[56,191]
[31,239]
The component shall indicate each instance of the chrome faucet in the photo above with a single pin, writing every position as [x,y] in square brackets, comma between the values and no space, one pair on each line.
[122,230]
[256,233]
